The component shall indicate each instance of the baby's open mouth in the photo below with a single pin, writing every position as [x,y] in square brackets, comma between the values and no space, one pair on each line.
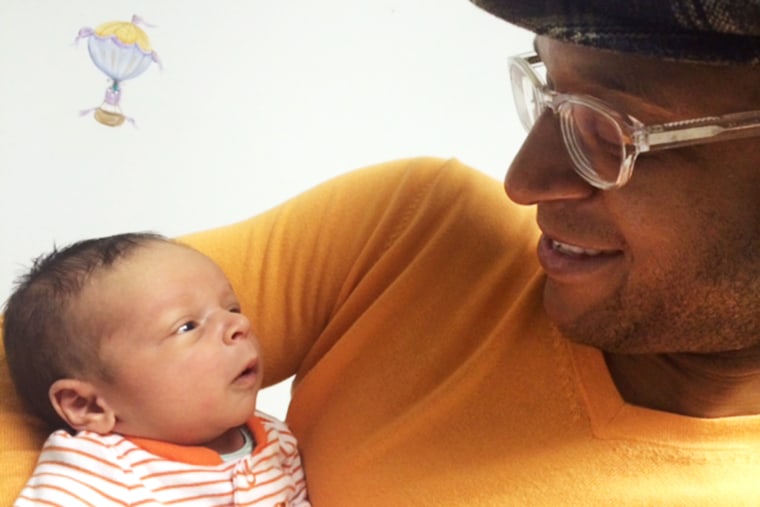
[249,372]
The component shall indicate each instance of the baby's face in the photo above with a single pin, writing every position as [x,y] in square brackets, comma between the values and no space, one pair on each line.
[182,361]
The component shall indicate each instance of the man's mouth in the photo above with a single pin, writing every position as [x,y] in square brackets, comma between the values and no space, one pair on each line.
[568,249]
[570,262]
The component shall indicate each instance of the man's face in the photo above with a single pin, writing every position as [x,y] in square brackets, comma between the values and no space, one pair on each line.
[671,261]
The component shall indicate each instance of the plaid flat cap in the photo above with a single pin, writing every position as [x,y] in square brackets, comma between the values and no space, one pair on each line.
[708,31]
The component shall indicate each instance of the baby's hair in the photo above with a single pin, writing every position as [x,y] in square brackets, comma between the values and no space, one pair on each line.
[43,342]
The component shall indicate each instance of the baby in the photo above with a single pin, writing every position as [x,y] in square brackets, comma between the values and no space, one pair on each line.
[137,346]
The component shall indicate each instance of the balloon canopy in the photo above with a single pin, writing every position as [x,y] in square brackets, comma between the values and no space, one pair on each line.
[122,51]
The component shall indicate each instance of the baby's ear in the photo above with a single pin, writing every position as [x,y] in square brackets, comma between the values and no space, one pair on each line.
[78,403]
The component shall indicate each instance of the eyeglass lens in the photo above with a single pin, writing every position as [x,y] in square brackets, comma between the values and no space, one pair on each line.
[593,139]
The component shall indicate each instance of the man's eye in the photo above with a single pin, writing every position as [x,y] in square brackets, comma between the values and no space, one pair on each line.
[186,327]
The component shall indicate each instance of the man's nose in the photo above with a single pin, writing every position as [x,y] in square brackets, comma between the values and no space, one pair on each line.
[542,170]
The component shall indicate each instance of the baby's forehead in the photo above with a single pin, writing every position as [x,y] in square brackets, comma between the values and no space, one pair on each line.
[164,255]
[150,283]
[159,269]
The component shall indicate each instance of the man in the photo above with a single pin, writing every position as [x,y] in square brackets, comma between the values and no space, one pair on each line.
[440,361]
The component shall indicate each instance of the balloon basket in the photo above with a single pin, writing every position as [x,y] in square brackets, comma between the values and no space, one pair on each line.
[109,118]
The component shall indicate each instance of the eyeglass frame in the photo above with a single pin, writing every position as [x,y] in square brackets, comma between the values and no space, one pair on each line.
[637,137]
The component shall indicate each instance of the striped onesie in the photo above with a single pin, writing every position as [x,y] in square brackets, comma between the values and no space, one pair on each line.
[94,470]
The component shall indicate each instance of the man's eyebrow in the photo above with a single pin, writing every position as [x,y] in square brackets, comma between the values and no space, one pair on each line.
[626,82]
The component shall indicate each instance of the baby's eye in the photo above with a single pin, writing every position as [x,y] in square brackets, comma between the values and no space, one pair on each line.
[234,309]
[187,327]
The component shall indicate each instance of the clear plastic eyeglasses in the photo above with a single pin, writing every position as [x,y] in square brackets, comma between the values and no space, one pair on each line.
[603,144]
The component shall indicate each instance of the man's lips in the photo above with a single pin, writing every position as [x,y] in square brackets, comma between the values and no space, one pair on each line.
[573,234]
[573,263]
[575,250]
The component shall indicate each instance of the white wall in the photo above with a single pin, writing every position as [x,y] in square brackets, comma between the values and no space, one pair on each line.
[257,101]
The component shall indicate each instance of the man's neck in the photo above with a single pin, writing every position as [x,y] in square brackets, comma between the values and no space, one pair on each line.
[697,385]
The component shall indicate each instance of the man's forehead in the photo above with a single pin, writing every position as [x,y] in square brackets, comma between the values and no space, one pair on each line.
[661,82]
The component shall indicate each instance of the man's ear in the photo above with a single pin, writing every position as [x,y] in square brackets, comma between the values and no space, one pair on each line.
[78,403]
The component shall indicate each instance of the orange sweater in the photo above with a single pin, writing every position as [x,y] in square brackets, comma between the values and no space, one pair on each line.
[406,298]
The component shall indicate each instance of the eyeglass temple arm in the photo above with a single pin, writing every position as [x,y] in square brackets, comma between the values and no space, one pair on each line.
[702,130]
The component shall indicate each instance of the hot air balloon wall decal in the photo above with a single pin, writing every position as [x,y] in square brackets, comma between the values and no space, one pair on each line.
[122,51]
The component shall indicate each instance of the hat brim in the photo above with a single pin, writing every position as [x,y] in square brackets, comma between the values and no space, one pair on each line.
[706,31]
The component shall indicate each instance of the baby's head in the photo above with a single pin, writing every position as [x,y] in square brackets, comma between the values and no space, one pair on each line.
[135,334]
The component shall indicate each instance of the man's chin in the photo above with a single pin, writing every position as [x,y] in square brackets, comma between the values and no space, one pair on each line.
[591,323]
[608,333]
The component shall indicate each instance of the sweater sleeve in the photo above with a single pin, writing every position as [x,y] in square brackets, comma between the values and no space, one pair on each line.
[296,267]
[75,471]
